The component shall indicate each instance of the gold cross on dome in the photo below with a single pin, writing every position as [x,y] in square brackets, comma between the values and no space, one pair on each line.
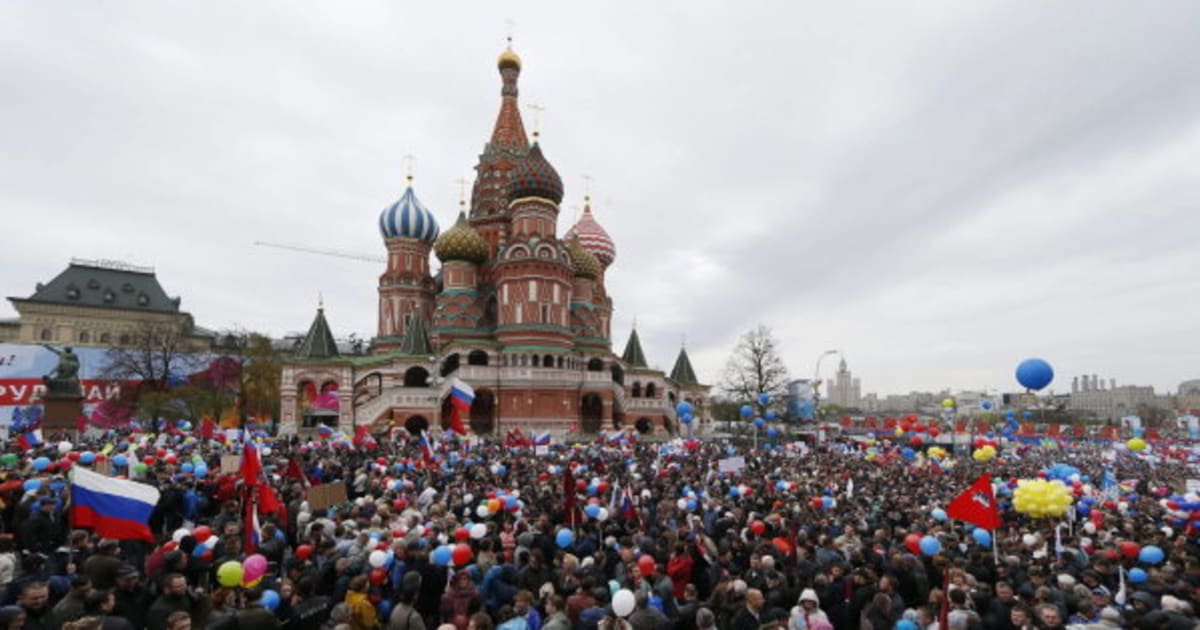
[462,191]
[409,159]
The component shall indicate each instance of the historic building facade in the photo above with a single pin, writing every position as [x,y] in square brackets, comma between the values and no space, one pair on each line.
[516,311]
[101,304]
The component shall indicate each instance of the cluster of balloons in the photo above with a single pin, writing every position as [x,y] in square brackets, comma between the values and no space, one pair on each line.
[936,452]
[1040,498]
[927,545]
[248,573]
[984,453]
[685,410]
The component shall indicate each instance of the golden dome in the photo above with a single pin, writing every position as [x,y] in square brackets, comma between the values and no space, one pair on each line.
[583,262]
[509,59]
[461,242]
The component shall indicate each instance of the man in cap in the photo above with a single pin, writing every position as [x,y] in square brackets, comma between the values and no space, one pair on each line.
[102,567]
[131,596]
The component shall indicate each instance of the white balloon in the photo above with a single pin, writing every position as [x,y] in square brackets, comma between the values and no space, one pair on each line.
[603,515]
[179,534]
[468,498]
[478,530]
[1029,540]
[681,504]
[378,558]
[1089,527]
[483,511]
[64,447]
[516,493]
[623,602]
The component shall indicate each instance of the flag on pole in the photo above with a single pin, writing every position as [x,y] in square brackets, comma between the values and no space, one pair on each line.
[252,468]
[977,505]
[461,397]
[542,439]
[426,447]
[113,508]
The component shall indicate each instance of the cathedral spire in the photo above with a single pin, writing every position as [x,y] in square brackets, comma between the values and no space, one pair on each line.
[683,373]
[319,342]
[509,132]
[633,355]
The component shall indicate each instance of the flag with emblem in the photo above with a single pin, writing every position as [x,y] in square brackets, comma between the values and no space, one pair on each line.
[977,505]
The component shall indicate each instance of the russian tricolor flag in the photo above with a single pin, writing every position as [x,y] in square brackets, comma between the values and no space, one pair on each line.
[542,439]
[461,397]
[112,508]
[30,439]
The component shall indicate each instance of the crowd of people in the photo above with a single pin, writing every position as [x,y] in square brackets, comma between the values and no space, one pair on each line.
[628,535]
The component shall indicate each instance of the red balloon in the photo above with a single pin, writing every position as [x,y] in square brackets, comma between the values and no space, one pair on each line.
[581,485]
[378,576]
[602,487]
[758,527]
[916,441]
[101,457]
[934,431]
[783,546]
[304,552]
[462,534]
[162,452]
[646,564]
[171,459]
[913,542]
[382,461]
[202,533]
[170,545]
[1129,549]
[1172,505]
[920,428]
[462,553]
[149,460]
[73,456]
[399,505]
[816,502]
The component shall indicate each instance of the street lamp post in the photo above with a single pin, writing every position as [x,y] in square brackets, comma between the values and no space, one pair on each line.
[817,390]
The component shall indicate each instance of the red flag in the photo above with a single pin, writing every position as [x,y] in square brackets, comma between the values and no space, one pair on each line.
[456,421]
[569,491]
[976,505]
[295,472]
[207,428]
[251,465]
[268,501]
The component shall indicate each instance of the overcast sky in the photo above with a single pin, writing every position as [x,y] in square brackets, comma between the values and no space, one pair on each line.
[938,189]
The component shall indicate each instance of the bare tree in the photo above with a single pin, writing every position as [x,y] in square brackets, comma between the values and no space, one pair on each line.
[156,354]
[754,368]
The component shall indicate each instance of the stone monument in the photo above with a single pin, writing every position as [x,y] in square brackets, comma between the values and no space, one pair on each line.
[63,399]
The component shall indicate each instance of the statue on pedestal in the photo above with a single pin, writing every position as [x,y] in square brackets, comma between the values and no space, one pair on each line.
[63,380]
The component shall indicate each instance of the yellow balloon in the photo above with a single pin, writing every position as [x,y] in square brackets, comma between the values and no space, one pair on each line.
[899,432]
[1136,444]
[949,402]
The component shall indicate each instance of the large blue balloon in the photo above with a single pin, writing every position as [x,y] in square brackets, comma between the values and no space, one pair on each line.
[905,624]
[1150,555]
[982,537]
[1137,576]
[270,600]
[41,463]
[764,399]
[1034,374]
[747,411]
[931,546]
[443,556]
[759,423]
[684,408]
[564,538]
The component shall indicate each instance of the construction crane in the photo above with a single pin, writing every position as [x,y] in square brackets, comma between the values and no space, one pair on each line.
[322,251]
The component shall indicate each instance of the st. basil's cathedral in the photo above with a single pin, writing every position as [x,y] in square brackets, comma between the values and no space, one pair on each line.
[520,314]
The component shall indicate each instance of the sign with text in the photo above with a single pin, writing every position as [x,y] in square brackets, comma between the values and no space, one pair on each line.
[230,464]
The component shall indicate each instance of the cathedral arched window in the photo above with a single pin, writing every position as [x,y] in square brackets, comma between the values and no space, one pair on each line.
[595,365]
[548,361]
[651,392]
[637,390]
[84,337]
[47,335]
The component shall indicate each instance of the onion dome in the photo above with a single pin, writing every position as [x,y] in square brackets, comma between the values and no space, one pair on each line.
[583,263]
[509,59]
[593,237]
[408,218]
[461,242]
[534,177]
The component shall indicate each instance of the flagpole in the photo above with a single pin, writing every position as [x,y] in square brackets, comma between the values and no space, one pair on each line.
[995,548]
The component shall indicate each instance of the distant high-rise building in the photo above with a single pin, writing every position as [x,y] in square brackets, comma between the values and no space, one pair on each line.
[844,390]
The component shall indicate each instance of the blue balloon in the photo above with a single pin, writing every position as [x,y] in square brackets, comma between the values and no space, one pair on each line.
[684,408]
[565,538]
[905,624]
[593,488]
[986,405]
[686,418]
[1137,576]
[188,467]
[41,463]
[120,461]
[270,600]
[692,505]
[930,545]
[828,502]
[938,514]
[1150,555]
[1026,414]
[592,510]
[32,485]
[511,503]
[747,411]
[759,423]
[908,453]
[87,458]
[201,471]
[771,415]
[1034,374]
[983,537]
[773,433]
[443,556]
[385,609]
[734,492]
[764,399]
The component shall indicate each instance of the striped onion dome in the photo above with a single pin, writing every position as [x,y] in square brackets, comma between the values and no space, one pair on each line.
[461,242]
[408,218]
[535,177]
[583,262]
[593,237]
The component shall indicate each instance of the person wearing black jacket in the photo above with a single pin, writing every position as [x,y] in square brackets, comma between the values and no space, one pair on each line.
[309,610]
[131,597]
[43,531]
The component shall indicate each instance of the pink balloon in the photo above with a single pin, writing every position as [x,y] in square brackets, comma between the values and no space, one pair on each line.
[253,568]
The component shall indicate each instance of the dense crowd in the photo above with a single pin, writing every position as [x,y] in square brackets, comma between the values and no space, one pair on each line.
[600,536]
